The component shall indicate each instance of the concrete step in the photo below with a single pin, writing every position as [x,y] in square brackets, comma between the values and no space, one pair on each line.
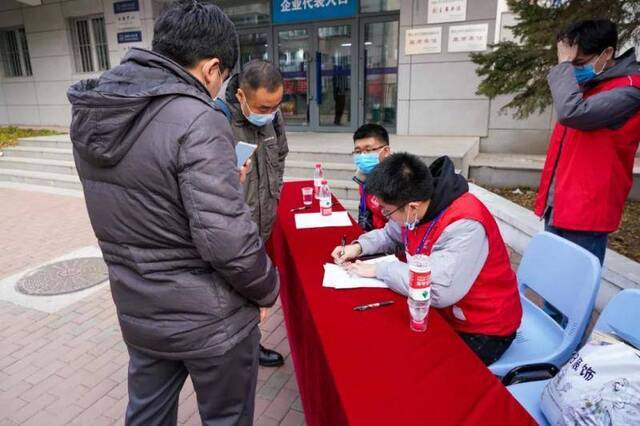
[60,154]
[38,165]
[305,169]
[337,148]
[351,206]
[507,170]
[41,178]
[319,157]
[518,170]
[55,141]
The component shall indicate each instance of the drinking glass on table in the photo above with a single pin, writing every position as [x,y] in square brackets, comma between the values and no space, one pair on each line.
[307,195]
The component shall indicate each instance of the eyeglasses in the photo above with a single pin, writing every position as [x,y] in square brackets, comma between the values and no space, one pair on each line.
[368,150]
[388,214]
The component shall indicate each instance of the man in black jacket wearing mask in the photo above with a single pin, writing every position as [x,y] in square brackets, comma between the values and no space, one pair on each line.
[188,271]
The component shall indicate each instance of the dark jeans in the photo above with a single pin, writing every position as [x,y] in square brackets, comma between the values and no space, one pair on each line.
[225,386]
[488,348]
[593,242]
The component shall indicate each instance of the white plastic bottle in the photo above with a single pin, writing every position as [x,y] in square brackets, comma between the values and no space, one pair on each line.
[318,175]
[419,298]
[325,199]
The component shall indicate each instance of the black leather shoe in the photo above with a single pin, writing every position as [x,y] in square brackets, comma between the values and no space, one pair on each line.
[269,358]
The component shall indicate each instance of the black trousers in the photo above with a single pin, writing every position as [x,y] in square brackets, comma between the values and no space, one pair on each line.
[341,101]
[225,386]
[488,348]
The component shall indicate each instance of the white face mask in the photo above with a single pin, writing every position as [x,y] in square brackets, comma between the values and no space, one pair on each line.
[214,87]
[410,225]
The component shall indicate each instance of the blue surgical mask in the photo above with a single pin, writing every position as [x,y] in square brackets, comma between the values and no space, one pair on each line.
[366,162]
[259,120]
[587,72]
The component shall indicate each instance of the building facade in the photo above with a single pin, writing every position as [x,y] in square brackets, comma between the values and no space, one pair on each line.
[402,63]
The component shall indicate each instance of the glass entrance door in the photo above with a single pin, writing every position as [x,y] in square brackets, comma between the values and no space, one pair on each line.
[317,63]
[334,64]
[254,44]
[294,47]
[379,70]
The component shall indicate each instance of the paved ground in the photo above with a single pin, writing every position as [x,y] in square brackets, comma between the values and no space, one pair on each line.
[36,227]
[70,367]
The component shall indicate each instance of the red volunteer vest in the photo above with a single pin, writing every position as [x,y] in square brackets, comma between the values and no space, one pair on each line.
[492,305]
[594,172]
[371,204]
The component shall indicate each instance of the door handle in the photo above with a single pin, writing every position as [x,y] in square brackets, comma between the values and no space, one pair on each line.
[318,78]
[307,73]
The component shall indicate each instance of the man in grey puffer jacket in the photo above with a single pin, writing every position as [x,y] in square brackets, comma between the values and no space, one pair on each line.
[187,266]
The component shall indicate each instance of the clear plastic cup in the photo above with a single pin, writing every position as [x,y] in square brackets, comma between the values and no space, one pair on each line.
[307,195]
[418,311]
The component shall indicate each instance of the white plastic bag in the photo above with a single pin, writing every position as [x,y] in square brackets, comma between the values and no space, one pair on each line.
[600,385]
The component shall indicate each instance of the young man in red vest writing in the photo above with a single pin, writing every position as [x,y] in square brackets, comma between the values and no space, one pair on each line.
[432,212]
[370,147]
[589,167]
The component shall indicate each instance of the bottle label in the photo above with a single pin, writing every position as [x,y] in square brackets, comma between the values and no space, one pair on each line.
[420,294]
[325,203]
[420,283]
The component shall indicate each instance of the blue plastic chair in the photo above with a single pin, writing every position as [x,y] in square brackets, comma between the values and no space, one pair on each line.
[621,316]
[566,276]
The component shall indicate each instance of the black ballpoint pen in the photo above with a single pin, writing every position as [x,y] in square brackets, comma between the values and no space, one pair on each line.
[373,305]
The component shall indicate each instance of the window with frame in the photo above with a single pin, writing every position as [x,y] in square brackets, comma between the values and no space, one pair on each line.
[90,49]
[14,53]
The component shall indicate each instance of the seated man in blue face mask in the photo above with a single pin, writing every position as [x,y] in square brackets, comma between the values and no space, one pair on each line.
[253,99]
[370,146]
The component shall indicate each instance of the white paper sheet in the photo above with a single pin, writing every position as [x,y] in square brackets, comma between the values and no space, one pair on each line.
[336,277]
[316,220]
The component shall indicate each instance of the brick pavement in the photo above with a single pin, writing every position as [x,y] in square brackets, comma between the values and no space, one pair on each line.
[36,227]
[70,367]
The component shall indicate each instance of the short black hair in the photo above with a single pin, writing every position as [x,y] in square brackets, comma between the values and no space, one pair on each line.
[372,130]
[592,35]
[400,179]
[188,31]
[258,74]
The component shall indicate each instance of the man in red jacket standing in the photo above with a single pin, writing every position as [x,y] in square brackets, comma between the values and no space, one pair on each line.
[589,167]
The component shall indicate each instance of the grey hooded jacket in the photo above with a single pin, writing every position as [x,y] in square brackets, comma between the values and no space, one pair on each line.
[157,163]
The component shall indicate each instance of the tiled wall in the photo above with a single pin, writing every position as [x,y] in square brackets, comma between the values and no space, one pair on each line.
[437,93]
[41,100]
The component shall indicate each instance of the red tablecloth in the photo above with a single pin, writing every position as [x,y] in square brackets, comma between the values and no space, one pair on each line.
[369,368]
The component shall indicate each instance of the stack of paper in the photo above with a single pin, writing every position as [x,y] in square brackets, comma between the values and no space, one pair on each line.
[337,277]
[316,220]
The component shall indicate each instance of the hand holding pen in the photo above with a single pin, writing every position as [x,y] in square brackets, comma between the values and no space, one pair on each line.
[345,252]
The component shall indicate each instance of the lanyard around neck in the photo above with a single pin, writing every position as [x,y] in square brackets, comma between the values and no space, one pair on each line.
[423,241]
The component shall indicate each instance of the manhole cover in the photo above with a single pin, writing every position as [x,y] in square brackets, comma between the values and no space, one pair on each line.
[64,277]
